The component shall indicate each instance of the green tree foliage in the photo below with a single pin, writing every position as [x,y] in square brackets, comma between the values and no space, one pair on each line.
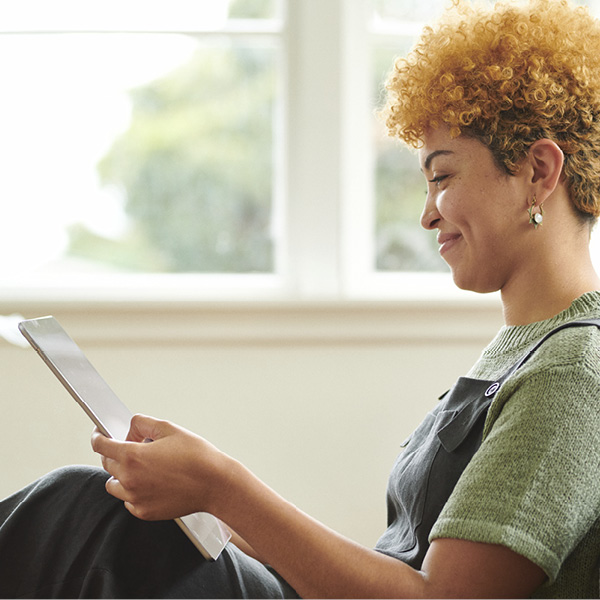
[196,169]
[401,243]
[251,9]
[196,162]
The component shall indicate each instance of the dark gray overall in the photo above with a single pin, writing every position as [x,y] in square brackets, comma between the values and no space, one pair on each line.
[64,536]
[434,458]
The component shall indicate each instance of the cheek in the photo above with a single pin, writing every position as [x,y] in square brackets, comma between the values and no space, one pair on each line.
[486,212]
[452,207]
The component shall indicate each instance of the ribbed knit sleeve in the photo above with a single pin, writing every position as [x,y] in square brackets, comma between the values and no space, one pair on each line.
[534,484]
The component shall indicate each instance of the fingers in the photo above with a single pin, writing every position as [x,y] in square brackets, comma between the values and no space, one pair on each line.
[114,488]
[132,501]
[104,445]
[110,451]
[144,428]
[109,465]
[141,429]
[120,484]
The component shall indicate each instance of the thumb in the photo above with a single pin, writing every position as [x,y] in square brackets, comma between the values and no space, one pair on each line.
[145,429]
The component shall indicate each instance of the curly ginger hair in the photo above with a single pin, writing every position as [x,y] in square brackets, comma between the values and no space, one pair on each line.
[508,76]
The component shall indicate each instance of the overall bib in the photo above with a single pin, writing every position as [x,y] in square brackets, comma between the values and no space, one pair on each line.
[434,458]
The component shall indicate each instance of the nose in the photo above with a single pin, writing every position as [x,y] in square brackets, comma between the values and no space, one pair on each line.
[430,216]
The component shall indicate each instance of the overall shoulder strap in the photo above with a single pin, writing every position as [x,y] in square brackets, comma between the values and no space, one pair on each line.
[529,353]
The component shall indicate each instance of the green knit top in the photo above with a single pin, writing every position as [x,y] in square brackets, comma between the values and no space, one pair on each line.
[534,484]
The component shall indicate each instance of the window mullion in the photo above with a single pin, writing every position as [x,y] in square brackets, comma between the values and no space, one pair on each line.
[357,214]
[314,94]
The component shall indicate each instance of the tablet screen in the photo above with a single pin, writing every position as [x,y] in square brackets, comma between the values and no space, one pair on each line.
[78,375]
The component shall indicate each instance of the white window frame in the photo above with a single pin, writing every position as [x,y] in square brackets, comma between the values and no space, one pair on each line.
[330,170]
[326,218]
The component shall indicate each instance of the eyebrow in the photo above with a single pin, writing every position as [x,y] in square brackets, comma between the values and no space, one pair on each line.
[435,153]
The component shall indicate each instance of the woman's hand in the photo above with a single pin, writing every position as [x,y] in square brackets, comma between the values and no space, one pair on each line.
[178,473]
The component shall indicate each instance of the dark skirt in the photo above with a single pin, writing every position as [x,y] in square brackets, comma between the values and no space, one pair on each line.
[64,536]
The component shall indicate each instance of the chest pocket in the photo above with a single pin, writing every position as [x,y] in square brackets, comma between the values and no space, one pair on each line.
[426,472]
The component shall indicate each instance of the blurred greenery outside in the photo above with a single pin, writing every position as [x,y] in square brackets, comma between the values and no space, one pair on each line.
[195,167]
[400,242]
[196,164]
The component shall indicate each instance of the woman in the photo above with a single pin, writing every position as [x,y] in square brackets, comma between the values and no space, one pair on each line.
[497,492]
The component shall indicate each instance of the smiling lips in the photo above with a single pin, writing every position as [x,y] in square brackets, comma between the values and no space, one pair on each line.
[447,240]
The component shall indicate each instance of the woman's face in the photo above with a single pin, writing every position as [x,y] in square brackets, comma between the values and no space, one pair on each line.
[480,212]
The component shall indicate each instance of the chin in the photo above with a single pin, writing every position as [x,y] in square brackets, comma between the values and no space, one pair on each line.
[470,284]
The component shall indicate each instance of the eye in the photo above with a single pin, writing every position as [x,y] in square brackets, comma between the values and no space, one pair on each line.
[438,179]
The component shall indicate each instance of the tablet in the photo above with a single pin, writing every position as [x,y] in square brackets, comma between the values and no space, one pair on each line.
[72,368]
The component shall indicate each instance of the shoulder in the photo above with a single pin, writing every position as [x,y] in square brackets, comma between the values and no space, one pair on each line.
[560,379]
[579,345]
[570,357]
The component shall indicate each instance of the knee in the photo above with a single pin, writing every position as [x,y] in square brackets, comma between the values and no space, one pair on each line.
[59,492]
[77,473]
[75,477]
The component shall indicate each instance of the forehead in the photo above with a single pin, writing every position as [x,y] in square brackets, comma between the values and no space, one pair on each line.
[435,142]
[438,142]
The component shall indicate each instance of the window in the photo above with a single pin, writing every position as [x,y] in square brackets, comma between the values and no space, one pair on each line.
[140,138]
[193,148]
[401,245]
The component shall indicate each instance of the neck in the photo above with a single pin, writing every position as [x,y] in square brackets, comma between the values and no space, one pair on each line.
[557,269]
[545,295]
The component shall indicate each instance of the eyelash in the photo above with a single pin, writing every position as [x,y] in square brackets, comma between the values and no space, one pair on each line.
[437,179]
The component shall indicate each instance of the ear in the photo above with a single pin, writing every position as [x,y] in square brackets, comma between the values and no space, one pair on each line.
[546,160]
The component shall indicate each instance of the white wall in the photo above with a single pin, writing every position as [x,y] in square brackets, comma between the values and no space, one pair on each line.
[314,397]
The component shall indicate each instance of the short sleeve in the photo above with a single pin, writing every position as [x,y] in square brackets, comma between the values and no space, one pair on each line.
[534,484]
